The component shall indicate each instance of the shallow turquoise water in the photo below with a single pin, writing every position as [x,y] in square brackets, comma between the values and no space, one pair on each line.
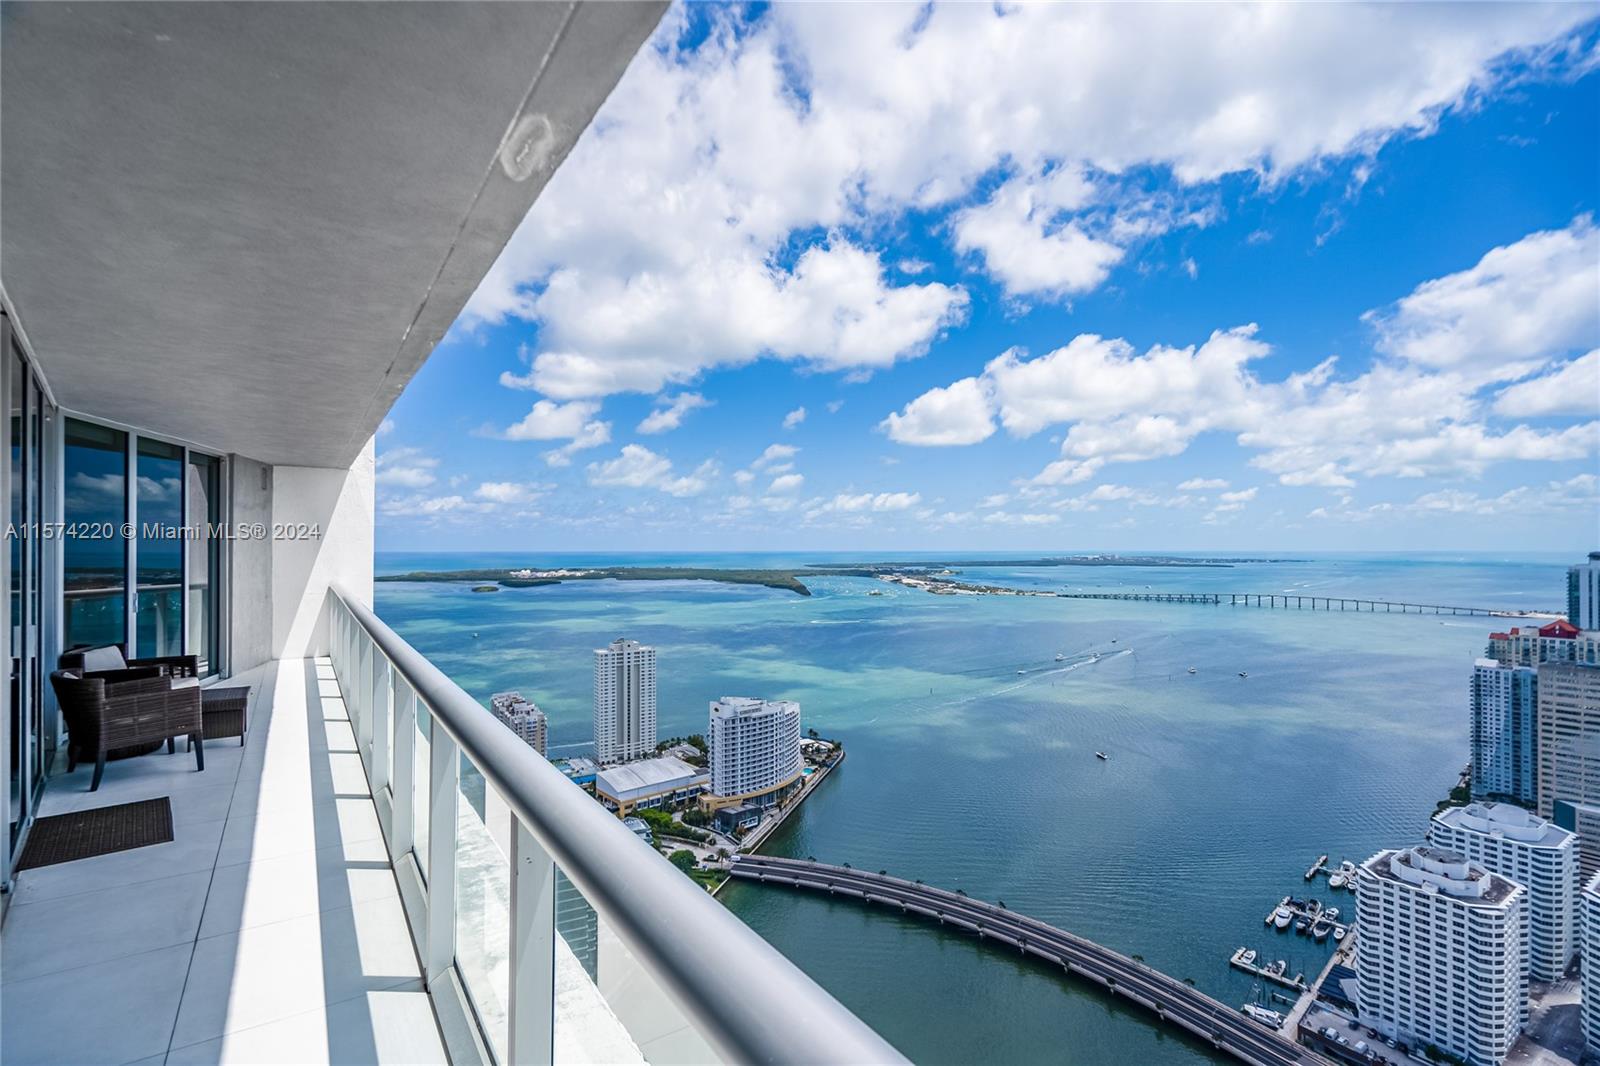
[963,772]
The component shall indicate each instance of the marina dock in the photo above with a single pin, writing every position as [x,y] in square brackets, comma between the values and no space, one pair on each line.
[1320,866]
[1267,972]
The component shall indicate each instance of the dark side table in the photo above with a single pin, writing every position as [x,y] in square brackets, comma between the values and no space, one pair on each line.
[222,712]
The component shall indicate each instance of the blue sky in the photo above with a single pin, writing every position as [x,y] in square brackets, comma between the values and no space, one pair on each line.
[1137,278]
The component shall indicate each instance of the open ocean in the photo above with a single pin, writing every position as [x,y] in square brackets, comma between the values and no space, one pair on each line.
[965,773]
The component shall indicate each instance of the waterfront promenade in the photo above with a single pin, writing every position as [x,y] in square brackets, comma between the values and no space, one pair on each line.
[1173,1001]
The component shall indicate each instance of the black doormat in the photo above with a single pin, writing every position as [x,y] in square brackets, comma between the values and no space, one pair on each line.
[85,834]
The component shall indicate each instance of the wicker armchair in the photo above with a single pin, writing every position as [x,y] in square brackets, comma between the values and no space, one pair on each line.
[87,661]
[122,708]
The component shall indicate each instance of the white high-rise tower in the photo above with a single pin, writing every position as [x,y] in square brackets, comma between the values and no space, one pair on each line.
[624,701]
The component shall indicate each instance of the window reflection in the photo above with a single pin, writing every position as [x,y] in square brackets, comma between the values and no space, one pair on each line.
[94,557]
[160,548]
[205,557]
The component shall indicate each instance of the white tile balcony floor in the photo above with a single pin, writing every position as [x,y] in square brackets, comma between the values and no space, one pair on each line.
[269,930]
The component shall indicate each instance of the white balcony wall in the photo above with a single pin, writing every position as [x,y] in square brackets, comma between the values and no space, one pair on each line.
[338,504]
[278,585]
[249,565]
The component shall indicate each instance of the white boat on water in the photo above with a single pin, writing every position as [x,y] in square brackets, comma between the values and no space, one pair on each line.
[1336,879]
[1101,755]
[1061,658]
[1282,917]
[1276,969]
[1242,673]
[1266,1016]
[1191,669]
[1338,932]
[1332,914]
[1247,956]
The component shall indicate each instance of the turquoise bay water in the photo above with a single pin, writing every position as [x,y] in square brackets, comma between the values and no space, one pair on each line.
[963,772]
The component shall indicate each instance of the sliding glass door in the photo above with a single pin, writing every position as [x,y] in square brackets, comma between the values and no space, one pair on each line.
[156,592]
[203,573]
[94,549]
[159,554]
[27,738]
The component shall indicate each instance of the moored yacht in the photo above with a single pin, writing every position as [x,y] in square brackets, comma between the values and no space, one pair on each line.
[1282,917]
[1265,1015]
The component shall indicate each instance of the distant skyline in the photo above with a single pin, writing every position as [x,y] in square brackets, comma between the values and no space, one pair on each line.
[1064,278]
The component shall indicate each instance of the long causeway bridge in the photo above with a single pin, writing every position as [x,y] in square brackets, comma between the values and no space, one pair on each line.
[1172,1001]
[1304,603]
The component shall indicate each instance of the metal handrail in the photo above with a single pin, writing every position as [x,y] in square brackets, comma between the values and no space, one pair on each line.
[751,1002]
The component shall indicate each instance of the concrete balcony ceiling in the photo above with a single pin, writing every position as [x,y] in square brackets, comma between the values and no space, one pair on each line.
[250,223]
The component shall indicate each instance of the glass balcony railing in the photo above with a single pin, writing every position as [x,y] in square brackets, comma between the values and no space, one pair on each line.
[541,922]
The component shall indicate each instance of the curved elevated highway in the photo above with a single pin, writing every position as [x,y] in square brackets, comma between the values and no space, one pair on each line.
[1173,1001]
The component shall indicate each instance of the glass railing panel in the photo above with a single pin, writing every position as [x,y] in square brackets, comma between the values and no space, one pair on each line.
[421,786]
[483,903]
[609,1008]
[400,696]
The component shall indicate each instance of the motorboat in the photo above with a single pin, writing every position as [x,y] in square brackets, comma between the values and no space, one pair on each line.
[1320,931]
[1332,914]
[1338,932]
[1247,955]
[1282,917]
[1101,755]
[1021,672]
[1264,1015]
[1061,658]
[1302,925]
[1244,673]
[1337,879]
[1275,969]
[1191,669]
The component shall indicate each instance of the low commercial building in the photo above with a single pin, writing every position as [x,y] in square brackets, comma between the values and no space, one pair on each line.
[640,828]
[1591,967]
[579,771]
[732,819]
[649,783]
[755,750]
[1442,953]
[1535,853]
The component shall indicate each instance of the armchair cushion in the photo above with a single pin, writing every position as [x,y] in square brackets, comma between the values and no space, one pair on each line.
[108,657]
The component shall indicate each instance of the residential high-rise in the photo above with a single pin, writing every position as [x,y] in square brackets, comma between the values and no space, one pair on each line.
[1555,642]
[1583,593]
[1568,730]
[1441,957]
[1590,924]
[1537,854]
[1584,820]
[755,749]
[524,718]
[1504,737]
[624,701]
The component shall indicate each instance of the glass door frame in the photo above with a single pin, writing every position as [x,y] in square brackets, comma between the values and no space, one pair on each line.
[36,626]
[130,574]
